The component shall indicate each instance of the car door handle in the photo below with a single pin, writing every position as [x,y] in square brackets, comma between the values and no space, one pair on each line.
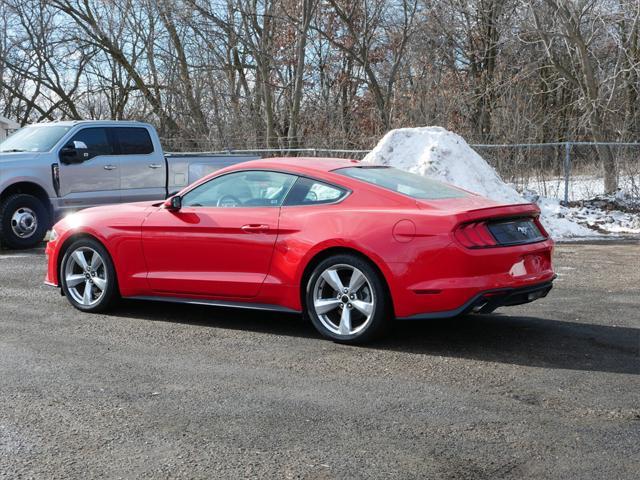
[251,228]
[110,167]
[155,165]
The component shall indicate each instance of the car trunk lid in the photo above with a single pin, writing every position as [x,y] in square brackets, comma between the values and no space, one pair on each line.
[501,226]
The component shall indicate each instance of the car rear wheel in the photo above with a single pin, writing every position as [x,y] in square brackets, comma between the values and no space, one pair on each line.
[346,300]
[88,277]
[24,221]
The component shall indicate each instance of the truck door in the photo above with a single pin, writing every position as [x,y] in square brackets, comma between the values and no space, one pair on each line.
[143,173]
[91,174]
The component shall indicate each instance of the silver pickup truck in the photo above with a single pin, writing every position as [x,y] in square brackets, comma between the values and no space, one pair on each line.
[49,169]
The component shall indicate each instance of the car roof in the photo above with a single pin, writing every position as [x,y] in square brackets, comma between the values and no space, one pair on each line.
[321,168]
[301,165]
[71,123]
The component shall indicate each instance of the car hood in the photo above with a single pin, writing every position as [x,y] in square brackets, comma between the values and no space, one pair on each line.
[122,216]
[17,159]
[121,209]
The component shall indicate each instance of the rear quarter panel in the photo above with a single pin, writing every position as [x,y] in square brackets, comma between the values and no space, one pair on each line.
[306,231]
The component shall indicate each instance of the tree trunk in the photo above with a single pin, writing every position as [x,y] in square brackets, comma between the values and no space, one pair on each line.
[308,7]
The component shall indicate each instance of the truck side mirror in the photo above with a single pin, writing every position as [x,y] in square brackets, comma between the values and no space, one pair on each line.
[75,152]
[174,203]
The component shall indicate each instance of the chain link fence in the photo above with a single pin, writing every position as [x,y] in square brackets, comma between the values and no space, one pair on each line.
[568,171]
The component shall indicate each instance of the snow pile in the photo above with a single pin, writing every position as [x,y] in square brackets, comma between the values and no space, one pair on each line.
[438,153]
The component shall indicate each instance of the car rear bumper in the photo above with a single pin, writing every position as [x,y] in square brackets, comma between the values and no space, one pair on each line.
[444,284]
[488,301]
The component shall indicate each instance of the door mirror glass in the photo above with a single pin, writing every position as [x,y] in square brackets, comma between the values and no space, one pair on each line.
[74,152]
[174,203]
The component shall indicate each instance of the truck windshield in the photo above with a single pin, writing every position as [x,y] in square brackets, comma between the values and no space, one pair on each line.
[37,138]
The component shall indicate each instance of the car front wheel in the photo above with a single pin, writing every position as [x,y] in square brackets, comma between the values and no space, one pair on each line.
[346,300]
[88,277]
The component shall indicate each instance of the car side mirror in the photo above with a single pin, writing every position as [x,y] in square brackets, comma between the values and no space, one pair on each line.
[75,152]
[174,203]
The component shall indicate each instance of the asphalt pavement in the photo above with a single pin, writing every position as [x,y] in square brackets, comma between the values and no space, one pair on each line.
[151,390]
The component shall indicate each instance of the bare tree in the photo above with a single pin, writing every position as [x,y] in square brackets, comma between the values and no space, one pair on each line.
[569,32]
[94,21]
[374,33]
[335,73]
[307,10]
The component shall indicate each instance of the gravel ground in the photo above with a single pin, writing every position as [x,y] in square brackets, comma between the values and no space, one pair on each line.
[546,390]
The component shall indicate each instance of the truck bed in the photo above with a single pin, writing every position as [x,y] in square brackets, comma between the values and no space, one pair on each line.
[186,168]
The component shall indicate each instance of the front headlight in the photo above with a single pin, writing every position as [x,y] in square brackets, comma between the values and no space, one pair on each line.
[53,235]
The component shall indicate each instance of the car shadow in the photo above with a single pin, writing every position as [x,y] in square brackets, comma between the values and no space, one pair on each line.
[518,340]
[261,321]
[523,340]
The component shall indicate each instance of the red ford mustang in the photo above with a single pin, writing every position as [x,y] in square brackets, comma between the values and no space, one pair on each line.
[350,245]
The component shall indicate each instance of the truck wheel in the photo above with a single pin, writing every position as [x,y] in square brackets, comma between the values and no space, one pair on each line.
[24,221]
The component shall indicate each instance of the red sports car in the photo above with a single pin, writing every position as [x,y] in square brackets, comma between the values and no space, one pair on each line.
[350,245]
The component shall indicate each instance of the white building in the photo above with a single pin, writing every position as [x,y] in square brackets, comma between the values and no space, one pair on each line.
[6,127]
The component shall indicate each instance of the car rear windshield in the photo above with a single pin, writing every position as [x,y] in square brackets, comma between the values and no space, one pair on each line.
[399,181]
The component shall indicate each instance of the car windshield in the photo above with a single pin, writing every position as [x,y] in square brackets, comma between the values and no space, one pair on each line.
[399,181]
[37,138]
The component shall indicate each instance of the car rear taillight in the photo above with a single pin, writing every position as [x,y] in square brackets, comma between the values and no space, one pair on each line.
[475,235]
[543,230]
[500,232]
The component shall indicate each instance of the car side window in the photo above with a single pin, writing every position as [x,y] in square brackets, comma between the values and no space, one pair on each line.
[95,140]
[251,188]
[132,140]
[307,191]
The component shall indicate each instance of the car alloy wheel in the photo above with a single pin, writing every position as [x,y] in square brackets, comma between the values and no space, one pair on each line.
[86,276]
[344,300]
[347,300]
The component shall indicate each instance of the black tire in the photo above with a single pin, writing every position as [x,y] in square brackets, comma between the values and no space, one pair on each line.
[15,234]
[109,295]
[373,292]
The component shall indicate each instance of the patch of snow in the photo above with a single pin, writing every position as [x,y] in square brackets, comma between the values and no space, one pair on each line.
[581,187]
[438,153]
[559,221]
[613,214]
